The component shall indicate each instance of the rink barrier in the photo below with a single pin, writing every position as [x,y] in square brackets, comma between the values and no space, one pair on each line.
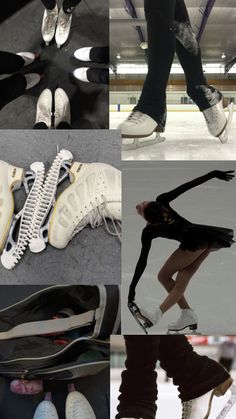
[170,108]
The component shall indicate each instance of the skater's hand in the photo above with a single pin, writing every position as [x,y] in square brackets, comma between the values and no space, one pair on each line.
[224,175]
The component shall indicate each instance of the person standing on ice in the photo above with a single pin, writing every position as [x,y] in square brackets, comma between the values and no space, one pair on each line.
[196,242]
[198,378]
[169,31]
[57,22]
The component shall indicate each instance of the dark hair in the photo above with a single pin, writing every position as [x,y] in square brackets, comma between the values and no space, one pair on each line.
[153,213]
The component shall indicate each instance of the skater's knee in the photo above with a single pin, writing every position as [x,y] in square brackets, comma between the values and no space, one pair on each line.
[163,276]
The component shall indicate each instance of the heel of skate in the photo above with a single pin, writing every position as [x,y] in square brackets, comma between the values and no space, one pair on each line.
[15,177]
[221,389]
[193,326]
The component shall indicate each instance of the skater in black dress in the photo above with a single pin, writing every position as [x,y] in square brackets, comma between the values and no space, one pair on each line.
[196,242]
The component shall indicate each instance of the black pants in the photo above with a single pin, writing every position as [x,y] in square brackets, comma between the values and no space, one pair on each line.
[169,31]
[14,86]
[68,5]
[194,375]
[42,125]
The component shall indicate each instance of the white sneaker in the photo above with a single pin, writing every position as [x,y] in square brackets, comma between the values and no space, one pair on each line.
[49,24]
[32,79]
[188,318]
[81,74]
[153,315]
[46,410]
[62,107]
[138,124]
[93,197]
[78,407]
[44,108]
[200,408]
[28,57]
[63,27]
[11,179]
[83,54]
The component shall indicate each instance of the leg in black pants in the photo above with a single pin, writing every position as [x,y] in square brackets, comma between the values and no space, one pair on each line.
[195,375]
[14,86]
[68,5]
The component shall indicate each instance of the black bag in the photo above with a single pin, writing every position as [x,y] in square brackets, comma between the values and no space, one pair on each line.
[35,342]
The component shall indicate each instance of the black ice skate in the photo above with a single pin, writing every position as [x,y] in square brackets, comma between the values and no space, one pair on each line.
[143,321]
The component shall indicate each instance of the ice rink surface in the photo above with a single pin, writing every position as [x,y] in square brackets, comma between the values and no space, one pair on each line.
[169,405]
[187,138]
[211,291]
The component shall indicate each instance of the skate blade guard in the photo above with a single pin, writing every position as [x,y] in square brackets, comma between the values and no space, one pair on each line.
[78,350]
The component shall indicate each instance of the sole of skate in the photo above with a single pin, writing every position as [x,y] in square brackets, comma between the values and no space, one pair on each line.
[132,143]
[136,313]
[192,330]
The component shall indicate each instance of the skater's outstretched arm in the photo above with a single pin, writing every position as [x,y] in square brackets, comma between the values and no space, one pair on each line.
[141,264]
[219,174]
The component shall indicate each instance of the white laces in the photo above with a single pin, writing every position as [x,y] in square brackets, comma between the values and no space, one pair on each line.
[64,22]
[187,409]
[137,117]
[98,216]
[50,22]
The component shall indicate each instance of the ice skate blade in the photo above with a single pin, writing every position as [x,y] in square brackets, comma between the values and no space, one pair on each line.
[192,330]
[225,135]
[129,143]
[136,313]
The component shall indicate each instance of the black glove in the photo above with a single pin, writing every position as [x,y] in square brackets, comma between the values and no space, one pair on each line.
[224,175]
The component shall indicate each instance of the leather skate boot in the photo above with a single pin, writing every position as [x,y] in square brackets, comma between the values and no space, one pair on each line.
[49,24]
[11,179]
[188,318]
[201,406]
[63,27]
[46,409]
[138,124]
[78,407]
[93,197]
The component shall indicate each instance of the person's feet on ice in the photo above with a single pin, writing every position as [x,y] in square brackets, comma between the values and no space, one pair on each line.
[77,406]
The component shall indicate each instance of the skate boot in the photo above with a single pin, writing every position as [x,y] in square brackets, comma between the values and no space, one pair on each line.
[187,319]
[142,320]
[46,409]
[200,408]
[49,24]
[93,197]
[44,108]
[136,128]
[11,179]
[154,316]
[77,406]
[63,27]
[32,79]
[28,57]
[217,122]
[62,107]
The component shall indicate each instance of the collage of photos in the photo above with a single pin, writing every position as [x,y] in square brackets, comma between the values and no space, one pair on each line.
[118,209]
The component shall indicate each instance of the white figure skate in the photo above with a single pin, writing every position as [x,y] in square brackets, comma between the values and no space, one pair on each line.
[11,179]
[201,407]
[46,199]
[44,108]
[62,107]
[49,24]
[78,407]
[93,197]
[63,27]
[14,250]
[217,122]
[46,409]
[187,319]
[140,130]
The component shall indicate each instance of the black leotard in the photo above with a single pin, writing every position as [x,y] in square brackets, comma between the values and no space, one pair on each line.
[173,226]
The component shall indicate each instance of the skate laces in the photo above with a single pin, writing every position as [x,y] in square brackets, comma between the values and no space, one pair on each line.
[64,22]
[50,21]
[98,216]
[137,117]
[186,409]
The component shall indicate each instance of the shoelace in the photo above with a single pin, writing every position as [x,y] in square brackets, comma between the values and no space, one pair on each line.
[98,216]
[64,22]
[137,117]
[187,409]
[50,22]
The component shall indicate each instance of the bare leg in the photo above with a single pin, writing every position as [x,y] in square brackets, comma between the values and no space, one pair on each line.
[186,263]
[169,283]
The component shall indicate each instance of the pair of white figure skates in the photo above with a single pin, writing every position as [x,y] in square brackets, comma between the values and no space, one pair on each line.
[93,197]
[138,129]
[77,407]
[200,408]
[56,23]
